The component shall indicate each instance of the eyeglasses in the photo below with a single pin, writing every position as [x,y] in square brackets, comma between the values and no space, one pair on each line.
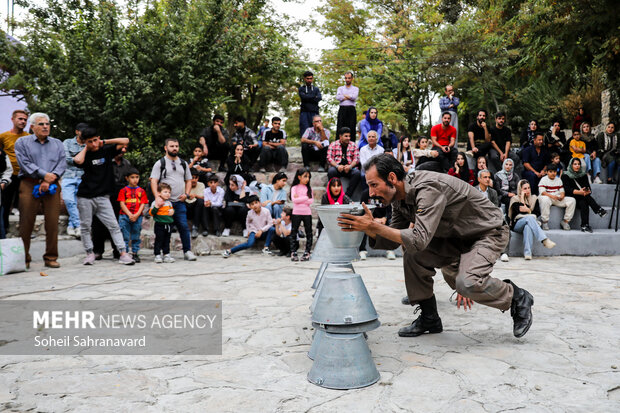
[43,124]
[174,166]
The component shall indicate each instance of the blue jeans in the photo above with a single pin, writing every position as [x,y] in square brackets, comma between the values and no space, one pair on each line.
[131,232]
[611,168]
[69,196]
[530,229]
[180,221]
[252,238]
[275,210]
[593,165]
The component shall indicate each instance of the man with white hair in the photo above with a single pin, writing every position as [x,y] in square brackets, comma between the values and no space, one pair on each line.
[42,162]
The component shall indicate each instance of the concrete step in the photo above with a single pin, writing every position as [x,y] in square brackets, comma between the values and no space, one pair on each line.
[596,222]
[603,194]
[601,242]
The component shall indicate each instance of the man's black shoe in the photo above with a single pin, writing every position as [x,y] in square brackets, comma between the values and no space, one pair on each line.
[521,310]
[136,257]
[420,326]
[405,301]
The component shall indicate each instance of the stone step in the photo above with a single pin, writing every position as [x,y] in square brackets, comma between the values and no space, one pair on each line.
[601,242]
[604,194]
[596,222]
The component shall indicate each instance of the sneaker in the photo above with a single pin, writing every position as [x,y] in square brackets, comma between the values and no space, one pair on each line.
[301,234]
[597,180]
[390,255]
[363,255]
[527,257]
[226,254]
[294,257]
[217,233]
[586,228]
[504,258]
[71,231]
[548,243]
[321,169]
[98,257]
[126,259]
[226,232]
[267,251]
[90,259]
[262,170]
[194,233]
[565,225]
[544,225]
[168,259]
[602,213]
[189,256]
[306,256]
[245,233]
[283,253]
[136,257]
[470,154]
[205,233]
[158,259]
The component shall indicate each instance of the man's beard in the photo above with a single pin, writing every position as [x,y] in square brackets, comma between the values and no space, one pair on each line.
[172,153]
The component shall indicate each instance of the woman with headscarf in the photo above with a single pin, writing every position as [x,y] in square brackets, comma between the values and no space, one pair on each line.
[528,134]
[591,158]
[577,185]
[505,182]
[370,122]
[522,213]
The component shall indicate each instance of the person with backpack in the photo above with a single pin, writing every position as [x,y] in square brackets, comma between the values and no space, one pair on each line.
[175,172]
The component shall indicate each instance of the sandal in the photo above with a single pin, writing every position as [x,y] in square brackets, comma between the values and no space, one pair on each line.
[294,257]
[306,256]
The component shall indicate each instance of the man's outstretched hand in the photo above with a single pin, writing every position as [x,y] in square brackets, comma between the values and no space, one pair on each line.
[350,223]
[466,302]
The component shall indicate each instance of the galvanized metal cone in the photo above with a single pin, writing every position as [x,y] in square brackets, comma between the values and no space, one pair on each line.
[343,361]
[329,217]
[326,251]
[339,268]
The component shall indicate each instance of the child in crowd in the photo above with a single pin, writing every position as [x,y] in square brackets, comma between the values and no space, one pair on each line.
[283,226]
[235,209]
[132,200]
[194,205]
[555,160]
[201,164]
[577,146]
[334,195]
[273,196]
[551,192]
[302,197]
[259,225]
[162,212]
[213,203]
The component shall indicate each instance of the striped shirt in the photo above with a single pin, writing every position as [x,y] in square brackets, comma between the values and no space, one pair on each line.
[551,187]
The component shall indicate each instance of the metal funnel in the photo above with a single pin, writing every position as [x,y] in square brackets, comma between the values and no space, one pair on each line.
[343,300]
[341,268]
[323,268]
[329,217]
[316,340]
[324,250]
[343,361]
[349,328]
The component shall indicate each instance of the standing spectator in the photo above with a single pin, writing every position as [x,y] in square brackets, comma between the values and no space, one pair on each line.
[310,97]
[478,136]
[425,159]
[273,197]
[535,160]
[370,122]
[259,225]
[132,200]
[343,157]
[302,197]
[214,204]
[528,134]
[93,193]
[501,141]
[10,194]
[72,178]
[551,191]
[577,185]
[239,164]
[247,137]
[214,141]
[334,195]
[314,143]
[264,127]
[608,146]
[347,96]
[593,162]
[274,146]
[162,211]
[443,137]
[195,204]
[461,169]
[41,160]
[201,164]
[484,186]
[6,171]
[175,172]
[450,103]
[505,182]
[524,208]
[283,226]
[581,117]
[235,197]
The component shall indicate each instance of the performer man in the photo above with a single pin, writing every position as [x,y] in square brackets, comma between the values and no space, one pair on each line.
[455,228]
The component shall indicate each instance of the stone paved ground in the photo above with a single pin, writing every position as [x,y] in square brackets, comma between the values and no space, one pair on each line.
[568,362]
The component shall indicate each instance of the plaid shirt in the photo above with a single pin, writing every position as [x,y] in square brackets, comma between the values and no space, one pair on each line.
[334,153]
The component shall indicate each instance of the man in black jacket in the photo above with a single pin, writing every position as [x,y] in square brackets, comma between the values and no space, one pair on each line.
[310,97]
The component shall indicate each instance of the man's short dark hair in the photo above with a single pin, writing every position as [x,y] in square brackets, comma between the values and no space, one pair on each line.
[278,176]
[212,177]
[385,164]
[446,113]
[348,72]
[194,172]
[81,126]
[89,132]
[308,73]
[344,130]
[552,167]
[169,140]
[500,114]
[288,210]
[482,110]
[251,198]
[240,118]
[275,119]
[217,116]
[539,133]
[132,171]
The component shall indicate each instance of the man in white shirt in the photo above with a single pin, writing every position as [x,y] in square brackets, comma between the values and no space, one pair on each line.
[347,95]
[369,151]
[214,202]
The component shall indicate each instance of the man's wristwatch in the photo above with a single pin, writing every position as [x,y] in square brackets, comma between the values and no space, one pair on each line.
[103,140]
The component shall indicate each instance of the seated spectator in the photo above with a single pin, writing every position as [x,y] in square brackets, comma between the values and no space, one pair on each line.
[213,197]
[404,154]
[334,195]
[236,209]
[484,186]
[501,142]
[389,141]
[370,122]
[535,160]
[274,146]
[478,136]
[239,164]
[381,214]
[528,134]
[214,141]
[343,157]
[194,204]
[314,144]
[369,151]
[558,165]
[577,146]
[264,127]
[581,117]
[132,200]
[282,238]
[523,210]
[162,211]
[593,162]
[505,182]
[247,138]
[303,198]
[555,140]
[552,192]
[201,164]
[425,159]
[443,137]
[273,197]
[577,185]
[259,225]
[461,169]
[608,150]
[481,164]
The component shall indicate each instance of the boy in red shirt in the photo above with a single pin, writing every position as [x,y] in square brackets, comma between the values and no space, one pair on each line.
[132,199]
